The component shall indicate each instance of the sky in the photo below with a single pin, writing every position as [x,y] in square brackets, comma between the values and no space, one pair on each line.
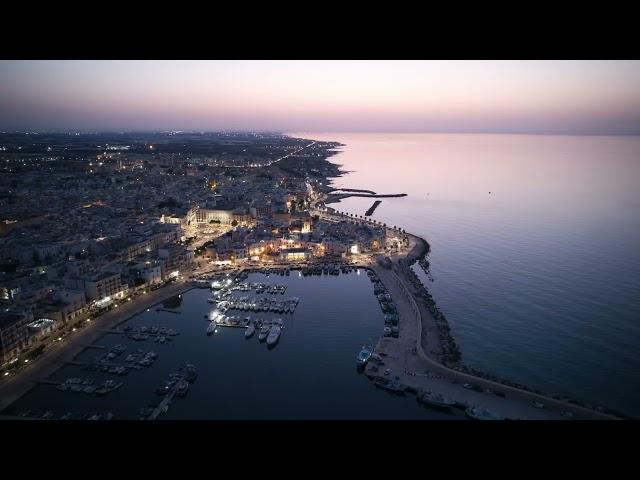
[554,97]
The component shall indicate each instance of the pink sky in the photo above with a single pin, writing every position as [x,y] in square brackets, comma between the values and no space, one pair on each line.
[409,96]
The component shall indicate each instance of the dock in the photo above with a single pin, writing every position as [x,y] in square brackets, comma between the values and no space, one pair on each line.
[101,347]
[85,364]
[164,403]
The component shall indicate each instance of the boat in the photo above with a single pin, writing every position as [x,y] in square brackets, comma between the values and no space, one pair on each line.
[111,385]
[264,331]
[188,372]
[211,328]
[435,400]
[248,333]
[364,355]
[390,385]
[274,335]
[477,413]
[182,387]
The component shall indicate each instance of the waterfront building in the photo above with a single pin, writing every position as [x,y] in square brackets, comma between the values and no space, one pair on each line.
[103,285]
[14,334]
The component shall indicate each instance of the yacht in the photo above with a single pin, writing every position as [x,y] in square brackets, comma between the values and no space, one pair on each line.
[274,335]
[248,333]
[364,356]
[211,328]
[478,413]
[264,331]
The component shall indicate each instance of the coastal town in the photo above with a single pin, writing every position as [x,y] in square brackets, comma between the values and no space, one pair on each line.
[95,228]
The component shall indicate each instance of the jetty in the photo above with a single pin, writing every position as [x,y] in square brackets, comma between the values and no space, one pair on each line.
[163,405]
[372,208]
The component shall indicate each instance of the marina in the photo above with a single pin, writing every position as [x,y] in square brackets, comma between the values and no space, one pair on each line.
[240,377]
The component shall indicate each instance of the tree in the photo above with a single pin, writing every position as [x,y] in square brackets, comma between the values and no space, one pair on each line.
[234,223]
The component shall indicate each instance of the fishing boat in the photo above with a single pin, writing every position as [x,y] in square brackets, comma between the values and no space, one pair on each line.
[364,355]
[211,328]
[477,413]
[189,372]
[264,331]
[274,335]
[435,400]
[390,385]
[182,387]
[248,333]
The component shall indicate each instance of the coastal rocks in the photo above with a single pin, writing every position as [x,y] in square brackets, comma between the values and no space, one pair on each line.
[451,354]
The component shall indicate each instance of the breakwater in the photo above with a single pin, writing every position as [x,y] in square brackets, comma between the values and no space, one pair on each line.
[372,208]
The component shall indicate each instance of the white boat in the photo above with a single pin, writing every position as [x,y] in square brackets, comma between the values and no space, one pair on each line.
[264,331]
[248,333]
[274,335]
[211,328]
[478,413]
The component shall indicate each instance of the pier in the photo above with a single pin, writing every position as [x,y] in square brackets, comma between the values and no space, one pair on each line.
[166,401]
[372,208]
[110,365]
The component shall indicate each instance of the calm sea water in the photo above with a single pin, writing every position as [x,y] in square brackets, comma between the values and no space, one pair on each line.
[310,374]
[535,248]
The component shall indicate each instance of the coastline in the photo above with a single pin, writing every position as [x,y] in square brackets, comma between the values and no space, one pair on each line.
[52,360]
[425,355]
[426,349]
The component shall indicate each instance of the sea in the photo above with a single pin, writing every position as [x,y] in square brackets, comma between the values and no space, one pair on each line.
[535,256]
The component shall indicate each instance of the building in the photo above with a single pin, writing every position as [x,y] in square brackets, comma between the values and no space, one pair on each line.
[295,254]
[14,334]
[103,285]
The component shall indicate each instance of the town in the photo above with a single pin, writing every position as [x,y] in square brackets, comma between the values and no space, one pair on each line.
[89,222]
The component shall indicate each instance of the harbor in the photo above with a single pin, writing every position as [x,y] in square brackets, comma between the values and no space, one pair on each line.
[307,369]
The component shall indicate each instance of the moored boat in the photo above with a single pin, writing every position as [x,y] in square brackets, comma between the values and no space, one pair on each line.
[248,333]
[478,413]
[364,355]
[433,399]
[274,335]
[390,385]
[211,328]
[264,331]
